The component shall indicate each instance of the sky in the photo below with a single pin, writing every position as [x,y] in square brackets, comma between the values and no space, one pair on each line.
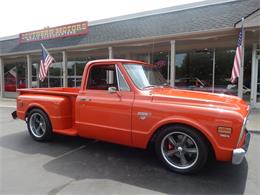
[17,16]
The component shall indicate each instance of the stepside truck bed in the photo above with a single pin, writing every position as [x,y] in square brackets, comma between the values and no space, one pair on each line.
[61,112]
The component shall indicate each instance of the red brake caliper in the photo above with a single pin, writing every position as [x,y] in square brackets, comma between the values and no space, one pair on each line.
[170,146]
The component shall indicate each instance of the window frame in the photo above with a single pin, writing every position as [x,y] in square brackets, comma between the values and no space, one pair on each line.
[118,71]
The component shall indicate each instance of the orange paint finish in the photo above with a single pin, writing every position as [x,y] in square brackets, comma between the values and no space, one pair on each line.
[133,117]
[58,108]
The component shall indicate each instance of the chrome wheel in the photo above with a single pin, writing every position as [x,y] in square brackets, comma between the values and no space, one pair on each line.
[179,150]
[37,125]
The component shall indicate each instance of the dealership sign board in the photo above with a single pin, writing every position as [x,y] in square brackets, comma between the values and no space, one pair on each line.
[69,30]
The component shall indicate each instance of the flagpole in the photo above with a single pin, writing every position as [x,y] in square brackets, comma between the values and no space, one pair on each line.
[241,75]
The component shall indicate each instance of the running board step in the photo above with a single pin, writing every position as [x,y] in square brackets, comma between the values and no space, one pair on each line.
[70,132]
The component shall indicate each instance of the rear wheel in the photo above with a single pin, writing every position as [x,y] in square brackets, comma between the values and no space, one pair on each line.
[39,125]
[182,149]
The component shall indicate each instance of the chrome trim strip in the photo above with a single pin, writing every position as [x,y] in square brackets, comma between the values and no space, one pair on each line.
[118,84]
[243,126]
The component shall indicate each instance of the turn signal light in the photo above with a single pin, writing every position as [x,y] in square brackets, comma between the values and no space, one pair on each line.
[19,104]
[224,131]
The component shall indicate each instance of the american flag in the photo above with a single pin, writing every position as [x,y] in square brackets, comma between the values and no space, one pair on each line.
[46,61]
[238,57]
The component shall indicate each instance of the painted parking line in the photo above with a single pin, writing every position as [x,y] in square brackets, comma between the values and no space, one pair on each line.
[4,106]
[71,151]
[76,149]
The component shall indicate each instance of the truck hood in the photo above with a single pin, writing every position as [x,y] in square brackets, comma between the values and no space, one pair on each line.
[202,99]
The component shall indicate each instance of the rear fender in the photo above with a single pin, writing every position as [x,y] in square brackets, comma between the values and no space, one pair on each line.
[58,109]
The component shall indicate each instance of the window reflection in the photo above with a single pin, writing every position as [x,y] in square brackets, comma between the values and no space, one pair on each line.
[15,76]
[194,70]
[161,60]
[76,65]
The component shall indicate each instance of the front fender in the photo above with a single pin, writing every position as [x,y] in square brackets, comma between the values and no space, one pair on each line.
[185,121]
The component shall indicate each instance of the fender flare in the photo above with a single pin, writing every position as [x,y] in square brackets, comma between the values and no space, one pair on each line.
[35,105]
[184,121]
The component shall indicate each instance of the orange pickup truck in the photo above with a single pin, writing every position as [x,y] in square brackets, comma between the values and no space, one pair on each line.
[129,102]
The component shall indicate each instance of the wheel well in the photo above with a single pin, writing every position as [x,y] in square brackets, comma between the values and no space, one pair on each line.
[35,107]
[156,133]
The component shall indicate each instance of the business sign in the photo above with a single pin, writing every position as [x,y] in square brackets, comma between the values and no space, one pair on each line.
[69,30]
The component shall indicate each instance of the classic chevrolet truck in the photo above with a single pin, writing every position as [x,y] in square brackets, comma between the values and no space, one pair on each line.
[129,102]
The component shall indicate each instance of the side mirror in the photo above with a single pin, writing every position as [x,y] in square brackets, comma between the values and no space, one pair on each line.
[112,90]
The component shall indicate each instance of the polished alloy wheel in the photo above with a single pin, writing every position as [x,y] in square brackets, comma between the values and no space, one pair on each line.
[37,125]
[179,150]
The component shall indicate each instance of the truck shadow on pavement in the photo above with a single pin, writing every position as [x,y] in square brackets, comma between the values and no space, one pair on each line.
[81,159]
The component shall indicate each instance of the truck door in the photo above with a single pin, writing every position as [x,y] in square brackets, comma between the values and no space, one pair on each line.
[105,105]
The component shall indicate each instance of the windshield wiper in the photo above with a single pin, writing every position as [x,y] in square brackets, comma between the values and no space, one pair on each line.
[149,86]
[162,85]
[165,85]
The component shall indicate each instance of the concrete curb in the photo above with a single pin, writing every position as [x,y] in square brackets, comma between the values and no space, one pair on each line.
[254,131]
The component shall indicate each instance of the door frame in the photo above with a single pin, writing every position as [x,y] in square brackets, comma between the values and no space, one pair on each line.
[254,75]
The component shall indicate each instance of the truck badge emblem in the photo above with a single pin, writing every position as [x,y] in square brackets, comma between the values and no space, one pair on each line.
[143,115]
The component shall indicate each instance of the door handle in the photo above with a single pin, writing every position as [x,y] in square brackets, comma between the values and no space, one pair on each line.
[85,99]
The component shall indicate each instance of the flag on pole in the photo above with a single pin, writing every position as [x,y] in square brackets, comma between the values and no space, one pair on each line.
[238,57]
[46,61]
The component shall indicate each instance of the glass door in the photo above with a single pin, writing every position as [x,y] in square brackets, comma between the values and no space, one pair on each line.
[258,83]
[15,76]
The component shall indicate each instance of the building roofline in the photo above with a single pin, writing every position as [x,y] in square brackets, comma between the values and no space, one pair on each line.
[246,16]
[166,10]
[9,37]
[178,36]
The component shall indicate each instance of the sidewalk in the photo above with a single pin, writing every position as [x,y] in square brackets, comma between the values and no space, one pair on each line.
[253,123]
[6,102]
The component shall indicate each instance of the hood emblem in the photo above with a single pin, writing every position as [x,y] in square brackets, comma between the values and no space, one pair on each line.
[143,115]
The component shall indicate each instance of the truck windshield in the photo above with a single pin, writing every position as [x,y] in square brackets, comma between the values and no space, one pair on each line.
[145,76]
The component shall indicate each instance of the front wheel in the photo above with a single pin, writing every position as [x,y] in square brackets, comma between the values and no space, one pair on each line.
[39,125]
[182,149]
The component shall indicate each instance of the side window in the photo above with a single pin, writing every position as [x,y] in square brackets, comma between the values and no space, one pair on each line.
[101,77]
[123,86]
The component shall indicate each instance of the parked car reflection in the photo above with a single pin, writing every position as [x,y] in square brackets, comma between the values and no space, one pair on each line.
[194,83]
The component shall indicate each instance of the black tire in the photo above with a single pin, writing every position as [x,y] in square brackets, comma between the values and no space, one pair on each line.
[185,158]
[39,125]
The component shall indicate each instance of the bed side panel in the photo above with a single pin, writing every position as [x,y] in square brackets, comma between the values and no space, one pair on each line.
[58,108]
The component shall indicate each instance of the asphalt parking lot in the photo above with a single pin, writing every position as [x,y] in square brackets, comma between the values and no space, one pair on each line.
[70,165]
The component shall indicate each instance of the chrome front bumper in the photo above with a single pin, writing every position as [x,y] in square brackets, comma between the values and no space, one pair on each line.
[239,153]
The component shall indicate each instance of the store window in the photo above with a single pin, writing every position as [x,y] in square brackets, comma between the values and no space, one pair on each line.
[223,70]
[76,64]
[140,57]
[15,76]
[161,60]
[54,77]
[35,70]
[247,73]
[194,70]
[75,71]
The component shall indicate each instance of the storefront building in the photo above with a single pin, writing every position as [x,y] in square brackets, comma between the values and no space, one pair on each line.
[193,46]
